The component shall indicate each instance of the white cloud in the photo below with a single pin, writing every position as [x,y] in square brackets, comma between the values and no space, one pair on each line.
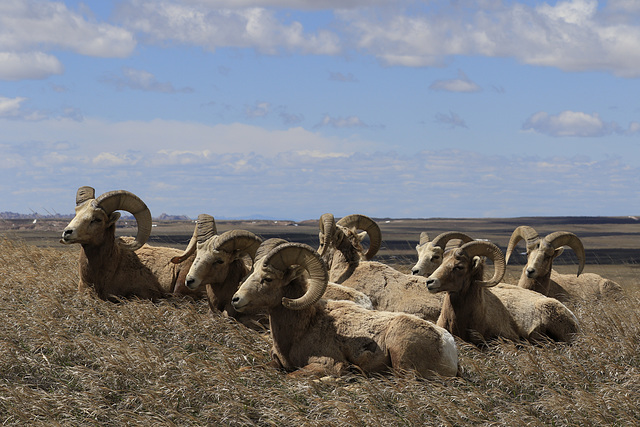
[27,66]
[30,25]
[92,137]
[460,84]
[452,120]
[205,25]
[342,122]
[292,4]
[29,28]
[285,185]
[571,123]
[260,109]
[142,80]
[571,35]
[10,107]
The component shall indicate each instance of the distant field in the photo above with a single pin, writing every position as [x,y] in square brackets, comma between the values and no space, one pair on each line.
[67,358]
[609,242]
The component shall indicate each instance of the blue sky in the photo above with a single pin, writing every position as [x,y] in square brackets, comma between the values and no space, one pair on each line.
[289,109]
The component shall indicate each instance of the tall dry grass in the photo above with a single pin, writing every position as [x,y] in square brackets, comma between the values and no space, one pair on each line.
[71,359]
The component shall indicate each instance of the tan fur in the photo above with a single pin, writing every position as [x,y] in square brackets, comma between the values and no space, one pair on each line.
[538,275]
[109,267]
[171,276]
[388,288]
[478,314]
[329,337]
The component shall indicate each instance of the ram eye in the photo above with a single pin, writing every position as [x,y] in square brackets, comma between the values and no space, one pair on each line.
[96,220]
[435,257]
[266,280]
[219,261]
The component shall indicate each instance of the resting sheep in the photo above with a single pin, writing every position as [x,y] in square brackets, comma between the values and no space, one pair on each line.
[388,288]
[478,311]
[538,273]
[124,266]
[319,337]
[221,262]
[430,253]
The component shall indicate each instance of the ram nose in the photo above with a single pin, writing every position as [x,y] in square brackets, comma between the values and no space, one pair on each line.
[415,271]
[66,235]
[191,282]
[433,285]
[238,302]
[531,272]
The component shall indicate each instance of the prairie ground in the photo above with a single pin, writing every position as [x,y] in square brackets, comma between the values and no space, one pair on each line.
[70,359]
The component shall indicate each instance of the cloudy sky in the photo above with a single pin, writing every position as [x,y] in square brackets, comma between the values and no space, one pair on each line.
[289,109]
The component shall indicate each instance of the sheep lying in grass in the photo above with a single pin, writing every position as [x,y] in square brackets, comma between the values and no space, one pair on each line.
[110,265]
[334,291]
[538,274]
[221,262]
[478,311]
[388,288]
[317,336]
[430,253]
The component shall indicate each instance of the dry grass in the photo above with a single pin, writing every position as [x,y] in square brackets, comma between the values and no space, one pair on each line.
[70,359]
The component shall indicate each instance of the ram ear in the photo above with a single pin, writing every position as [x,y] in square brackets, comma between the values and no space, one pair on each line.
[293,272]
[113,218]
[558,252]
[476,263]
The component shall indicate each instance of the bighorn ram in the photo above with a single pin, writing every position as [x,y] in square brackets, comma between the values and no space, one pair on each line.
[538,274]
[478,311]
[430,253]
[388,288]
[317,336]
[334,290]
[124,266]
[221,262]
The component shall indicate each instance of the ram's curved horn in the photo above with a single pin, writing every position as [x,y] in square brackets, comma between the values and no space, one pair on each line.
[362,222]
[523,232]
[424,238]
[116,200]
[206,228]
[85,193]
[289,254]
[190,249]
[267,246]
[491,251]
[562,238]
[443,238]
[239,240]
[327,226]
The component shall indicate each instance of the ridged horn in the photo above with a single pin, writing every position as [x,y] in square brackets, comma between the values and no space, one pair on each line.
[362,222]
[491,251]
[288,254]
[327,226]
[85,193]
[206,228]
[116,200]
[239,240]
[443,238]
[190,249]
[424,238]
[523,232]
[267,246]
[562,238]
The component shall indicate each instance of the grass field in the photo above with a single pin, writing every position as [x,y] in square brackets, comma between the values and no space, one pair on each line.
[70,359]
